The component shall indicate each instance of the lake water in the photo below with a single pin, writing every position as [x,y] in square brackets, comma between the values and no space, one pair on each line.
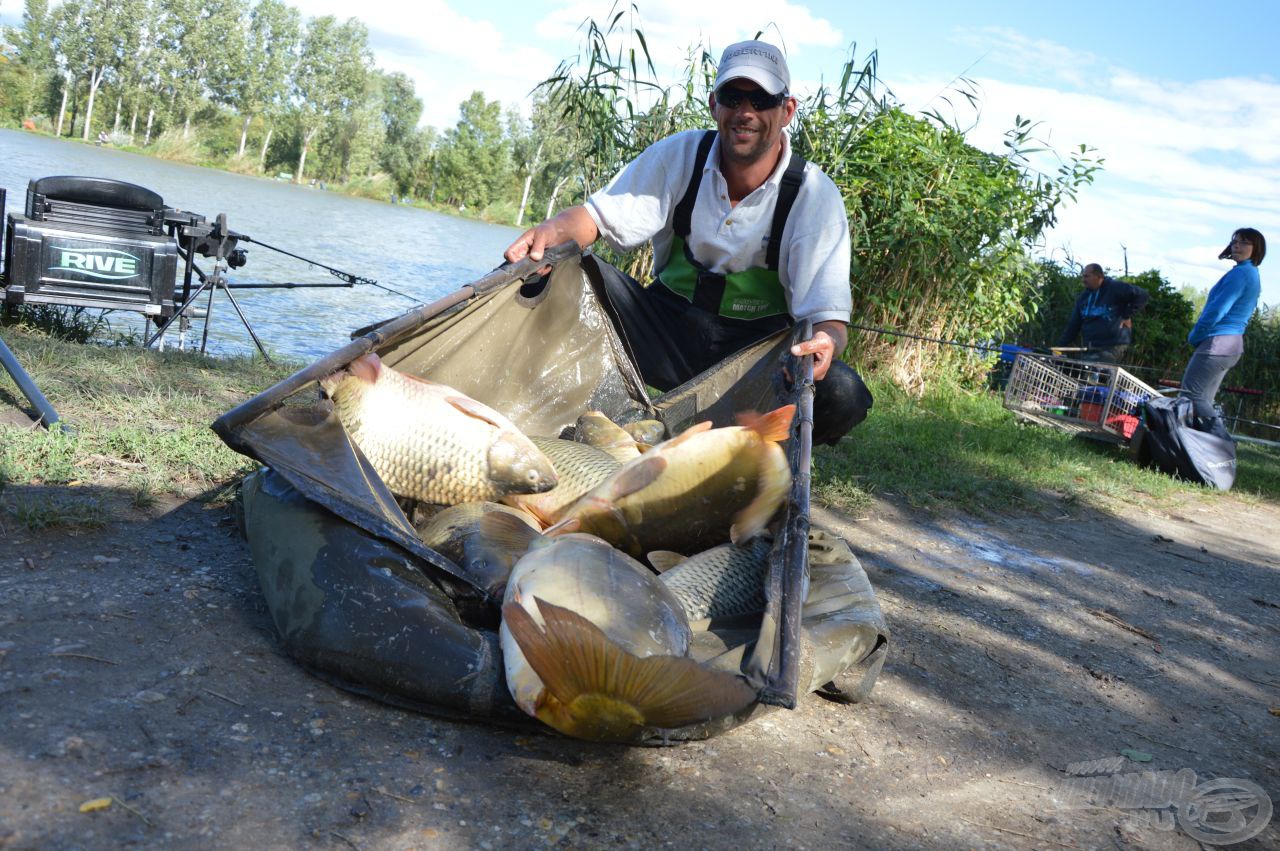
[420,253]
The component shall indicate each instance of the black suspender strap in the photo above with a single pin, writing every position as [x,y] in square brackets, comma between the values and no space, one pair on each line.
[788,189]
[684,210]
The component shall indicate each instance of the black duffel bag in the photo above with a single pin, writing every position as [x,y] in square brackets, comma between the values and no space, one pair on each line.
[1174,440]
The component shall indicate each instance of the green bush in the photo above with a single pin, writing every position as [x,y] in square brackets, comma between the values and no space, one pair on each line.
[173,145]
[941,234]
[1160,330]
[941,231]
[72,324]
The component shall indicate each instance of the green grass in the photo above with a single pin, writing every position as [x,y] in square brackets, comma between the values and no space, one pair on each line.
[1258,471]
[140,420]
[961,449]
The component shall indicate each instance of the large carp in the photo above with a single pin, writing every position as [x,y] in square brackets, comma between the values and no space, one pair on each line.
[430,442]
[691,492]
[579,468]
[596,647]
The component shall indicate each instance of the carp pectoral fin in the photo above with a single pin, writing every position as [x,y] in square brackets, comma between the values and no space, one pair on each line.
[774,426]
[664,560]
[634,476]
[564,527]
[772,485]
[479,410]
[604,692]
[367,367]
[504,533]
[529,505]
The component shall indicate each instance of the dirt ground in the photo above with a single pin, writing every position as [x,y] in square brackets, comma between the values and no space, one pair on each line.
[139,665]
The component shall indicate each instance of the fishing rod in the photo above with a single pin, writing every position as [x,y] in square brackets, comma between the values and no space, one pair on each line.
[337,273]
[348,278]
[290,285]
[982,347]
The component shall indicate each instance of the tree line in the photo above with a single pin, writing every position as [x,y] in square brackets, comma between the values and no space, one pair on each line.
[249,85]
[945,236]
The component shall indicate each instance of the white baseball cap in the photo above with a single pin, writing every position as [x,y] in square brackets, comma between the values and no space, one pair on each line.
[757,61]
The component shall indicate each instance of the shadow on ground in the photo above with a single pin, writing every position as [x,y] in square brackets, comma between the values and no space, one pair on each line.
[138,663]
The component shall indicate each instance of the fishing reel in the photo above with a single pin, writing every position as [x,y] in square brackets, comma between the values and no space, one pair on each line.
[208,239]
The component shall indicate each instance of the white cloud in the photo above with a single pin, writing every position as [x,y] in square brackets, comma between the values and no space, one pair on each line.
[671,27]
[449,50]
[446,53]
[1028,58]
[1186,163]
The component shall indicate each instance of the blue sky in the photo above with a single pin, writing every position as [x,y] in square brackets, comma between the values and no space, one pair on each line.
[1180,98]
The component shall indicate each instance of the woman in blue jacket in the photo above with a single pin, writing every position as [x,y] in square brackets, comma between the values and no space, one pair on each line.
[1218,334]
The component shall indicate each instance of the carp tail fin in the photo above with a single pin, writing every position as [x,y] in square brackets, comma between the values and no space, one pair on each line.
[594,689]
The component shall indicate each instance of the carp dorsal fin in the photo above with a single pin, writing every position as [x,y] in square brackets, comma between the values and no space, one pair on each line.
[774,426]
[634,476]
[598,690]
[664,560]
[699,428]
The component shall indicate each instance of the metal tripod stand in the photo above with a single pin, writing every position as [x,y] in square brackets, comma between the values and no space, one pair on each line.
[195,235]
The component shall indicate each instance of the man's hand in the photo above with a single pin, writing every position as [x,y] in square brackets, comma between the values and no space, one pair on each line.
[827,343]
[574,223]
[1126,323]
[532,243]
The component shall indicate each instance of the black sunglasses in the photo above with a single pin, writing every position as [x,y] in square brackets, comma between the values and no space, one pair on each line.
[760,99]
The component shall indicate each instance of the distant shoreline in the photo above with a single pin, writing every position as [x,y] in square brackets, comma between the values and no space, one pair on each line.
[353,189]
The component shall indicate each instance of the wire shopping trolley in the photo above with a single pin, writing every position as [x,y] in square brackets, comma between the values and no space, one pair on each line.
[1095,400]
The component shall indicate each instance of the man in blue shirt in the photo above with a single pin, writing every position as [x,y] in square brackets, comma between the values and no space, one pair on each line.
[1103,316]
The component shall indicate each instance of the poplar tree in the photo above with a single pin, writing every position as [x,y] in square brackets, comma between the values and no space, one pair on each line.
[33,50]
[68,46]
[259,78]
[330,77]
[404,145]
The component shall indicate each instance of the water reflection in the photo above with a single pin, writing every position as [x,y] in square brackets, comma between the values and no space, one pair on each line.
[423,254]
